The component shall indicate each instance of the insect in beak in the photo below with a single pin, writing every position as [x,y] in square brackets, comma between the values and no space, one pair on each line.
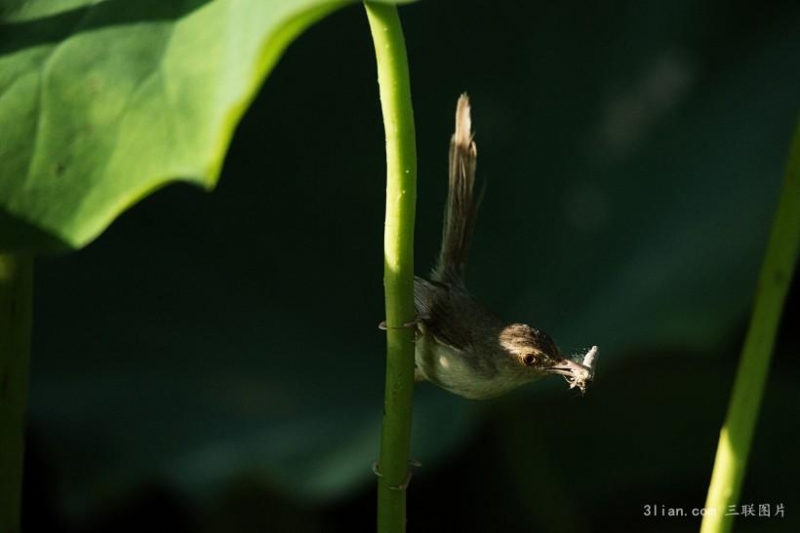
[577,374]
[568,368]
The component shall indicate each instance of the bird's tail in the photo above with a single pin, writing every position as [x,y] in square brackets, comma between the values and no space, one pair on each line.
[461,208]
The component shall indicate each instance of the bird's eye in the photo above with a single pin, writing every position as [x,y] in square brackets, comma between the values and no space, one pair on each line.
[530,359]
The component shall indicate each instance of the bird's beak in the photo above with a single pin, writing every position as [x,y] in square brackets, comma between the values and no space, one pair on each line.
[570,369]
[577,374]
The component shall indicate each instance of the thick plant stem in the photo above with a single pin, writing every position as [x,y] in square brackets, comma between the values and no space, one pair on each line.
[15,342]
[776,276]
[398,249]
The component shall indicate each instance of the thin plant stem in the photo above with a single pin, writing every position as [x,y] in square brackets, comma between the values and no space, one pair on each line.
[398,250]
[736,435]
[16,273]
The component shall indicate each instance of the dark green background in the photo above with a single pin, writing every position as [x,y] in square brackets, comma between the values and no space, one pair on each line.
[212,362]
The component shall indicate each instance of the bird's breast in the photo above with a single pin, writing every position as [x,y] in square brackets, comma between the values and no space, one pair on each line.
[454,370]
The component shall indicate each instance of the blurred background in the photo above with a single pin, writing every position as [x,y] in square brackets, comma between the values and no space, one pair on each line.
[212,362]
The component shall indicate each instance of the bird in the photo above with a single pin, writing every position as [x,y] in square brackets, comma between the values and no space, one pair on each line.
[461,346]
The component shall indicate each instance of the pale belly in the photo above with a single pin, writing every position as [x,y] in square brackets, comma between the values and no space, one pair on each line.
[449,369]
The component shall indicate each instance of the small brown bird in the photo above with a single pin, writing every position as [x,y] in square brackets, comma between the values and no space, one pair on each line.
[462,347]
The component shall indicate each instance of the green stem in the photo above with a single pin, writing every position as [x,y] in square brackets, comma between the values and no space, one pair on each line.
[776,276]
[15,342]
[398,250]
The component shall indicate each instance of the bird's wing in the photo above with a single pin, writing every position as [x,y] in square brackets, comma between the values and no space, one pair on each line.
[433,302]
